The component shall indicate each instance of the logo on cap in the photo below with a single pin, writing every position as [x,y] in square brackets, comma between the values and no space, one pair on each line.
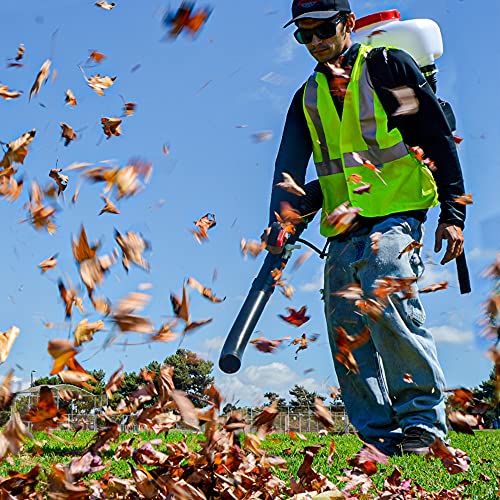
[307,3]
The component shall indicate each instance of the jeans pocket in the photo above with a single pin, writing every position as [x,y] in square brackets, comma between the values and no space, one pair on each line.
[415,311]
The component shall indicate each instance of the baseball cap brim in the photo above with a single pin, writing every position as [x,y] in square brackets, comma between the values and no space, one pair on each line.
[319,14]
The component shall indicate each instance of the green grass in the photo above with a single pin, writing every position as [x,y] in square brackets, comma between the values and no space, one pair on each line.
[483,449]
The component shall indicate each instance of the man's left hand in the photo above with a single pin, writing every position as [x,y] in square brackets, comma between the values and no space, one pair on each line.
[455,237]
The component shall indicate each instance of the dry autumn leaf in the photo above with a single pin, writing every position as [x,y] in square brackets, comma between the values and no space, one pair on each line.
[63,352]
[132,246]
[464,199]
[60,179]
[206,292]
[442,285]
[84,331]
[111,126]
[109,206]
[70,98]
[41,77]
[115,382]
[7,341]
[70,298]
[105,5]
[411,246]
[346,344]
[99,83]
[266,345]
[203,224]
[290,186]
[7,94]
[45,414]
[97,56]
[6,394]
[295,317]
[17,150]
[49,263]
[408,102]
[252,247]
[185,18]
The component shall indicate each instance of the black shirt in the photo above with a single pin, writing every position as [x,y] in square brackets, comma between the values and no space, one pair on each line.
[427,128]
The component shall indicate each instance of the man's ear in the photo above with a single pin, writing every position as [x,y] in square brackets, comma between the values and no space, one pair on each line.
[351,21]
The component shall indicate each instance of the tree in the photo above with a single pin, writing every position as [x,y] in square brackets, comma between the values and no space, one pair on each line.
[486,392]
[272,397]
[302,398]
[191,374]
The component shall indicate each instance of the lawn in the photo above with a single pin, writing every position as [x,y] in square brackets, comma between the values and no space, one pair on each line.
[481,480]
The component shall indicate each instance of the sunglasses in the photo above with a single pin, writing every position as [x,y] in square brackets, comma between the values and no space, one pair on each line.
[323,31]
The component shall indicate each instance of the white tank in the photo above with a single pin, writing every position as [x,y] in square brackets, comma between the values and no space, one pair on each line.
[419,37]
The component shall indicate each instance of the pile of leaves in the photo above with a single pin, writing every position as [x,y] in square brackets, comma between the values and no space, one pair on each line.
[231,463]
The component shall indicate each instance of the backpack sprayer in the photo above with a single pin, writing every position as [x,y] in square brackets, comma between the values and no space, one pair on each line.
[422,39]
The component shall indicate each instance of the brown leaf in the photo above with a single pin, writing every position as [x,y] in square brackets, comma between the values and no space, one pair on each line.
[252,247]
[346,344]
[462,422]
[115,382]
[442,285]
[407,99]
[109,206]
[181,307]
[203,224]
[266,345]
[7,94]
[84,331]
[97,56]
[70,297]
[77,378]
[206,292]
[411,246]
[67,133]
[192,325]
[132,246]
[289,185]
[70,98]
[105,5]
[342,217]
[41,77]
[368,458]
[322,414]
[296,317]
[62,351]
[6,395]
[61,179]
[99,83]
[45,414]
[13,435]
[464,199]
[7,341]
[187,409]
[111,126]
[17,150]
[454,460]
[352,291]
[129,108]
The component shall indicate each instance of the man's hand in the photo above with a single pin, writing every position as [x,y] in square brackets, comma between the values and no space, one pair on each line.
[455,237]
[276,250]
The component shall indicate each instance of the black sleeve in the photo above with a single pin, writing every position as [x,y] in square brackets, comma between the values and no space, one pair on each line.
[293,155]
[427,128]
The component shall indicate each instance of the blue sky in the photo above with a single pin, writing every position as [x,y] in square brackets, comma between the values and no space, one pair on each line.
[205,98]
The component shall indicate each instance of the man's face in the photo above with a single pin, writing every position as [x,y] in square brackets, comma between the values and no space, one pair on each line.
[328,49]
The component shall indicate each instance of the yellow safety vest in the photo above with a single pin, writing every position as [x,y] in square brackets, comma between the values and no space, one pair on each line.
[407,183]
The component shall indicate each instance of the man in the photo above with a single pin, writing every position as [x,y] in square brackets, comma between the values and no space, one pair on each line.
[347,115]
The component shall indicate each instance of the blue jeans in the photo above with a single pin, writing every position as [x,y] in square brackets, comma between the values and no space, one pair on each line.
[379,402]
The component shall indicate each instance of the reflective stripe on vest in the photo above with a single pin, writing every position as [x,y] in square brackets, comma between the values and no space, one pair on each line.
[344,146]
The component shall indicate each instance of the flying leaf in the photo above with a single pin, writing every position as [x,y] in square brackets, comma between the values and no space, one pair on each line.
[185,18]
[266,345]
[70,298]
[442,285]
[70,98]
[45,414]
[464,199]
[132,246]
[99,83]
[111,126]
[462,422]
[97,56]
[7,341]
[61,179]
[63,352]
[105,5]
[41,77]
[365,188]
[454,460]
[352,291]
[7,94]
[49,263]
[407,99]
[17,150]
[322,414]
[289,185]
[252,247]
[109,206]
[346,344]
[296,317]
[129,108]
[84,331]
[20,52]
[6,394]
[203,224]
[411,246]
[343,217]
[206,292]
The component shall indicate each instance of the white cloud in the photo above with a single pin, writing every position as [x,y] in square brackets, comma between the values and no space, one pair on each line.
[315,284]
[215,343]
[478,253]
[250,385]
[451,334]
[286,51]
